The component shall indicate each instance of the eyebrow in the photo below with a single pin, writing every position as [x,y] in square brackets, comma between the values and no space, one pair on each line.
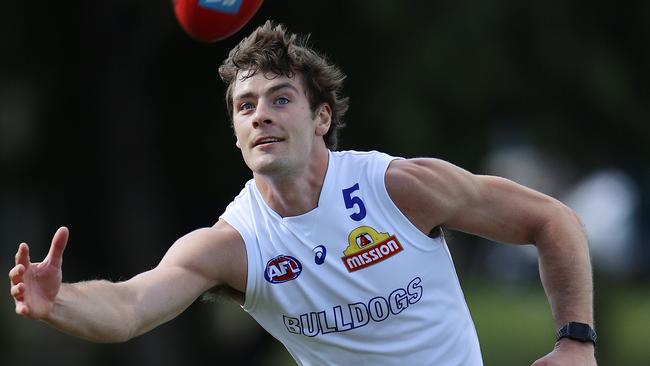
[270,90]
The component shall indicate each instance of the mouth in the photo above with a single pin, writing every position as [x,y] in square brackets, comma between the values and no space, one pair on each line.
[266,140]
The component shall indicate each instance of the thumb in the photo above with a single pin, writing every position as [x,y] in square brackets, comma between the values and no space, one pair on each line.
[59,241]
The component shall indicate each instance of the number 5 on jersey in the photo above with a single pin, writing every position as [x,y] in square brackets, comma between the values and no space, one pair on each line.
[352,201]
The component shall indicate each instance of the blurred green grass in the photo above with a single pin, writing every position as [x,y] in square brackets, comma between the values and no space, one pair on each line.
[626,313]
[515,327]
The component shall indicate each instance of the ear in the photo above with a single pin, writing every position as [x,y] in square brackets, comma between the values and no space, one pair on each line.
[237,143]
[323,119]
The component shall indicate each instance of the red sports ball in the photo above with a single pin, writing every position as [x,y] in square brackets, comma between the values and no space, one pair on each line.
[213,20]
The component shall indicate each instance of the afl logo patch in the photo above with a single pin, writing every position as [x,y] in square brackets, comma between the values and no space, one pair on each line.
[282,268]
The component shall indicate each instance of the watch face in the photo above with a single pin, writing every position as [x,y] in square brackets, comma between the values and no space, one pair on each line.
[578,331]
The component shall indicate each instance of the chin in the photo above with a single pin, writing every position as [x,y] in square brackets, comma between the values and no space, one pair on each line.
[267,165]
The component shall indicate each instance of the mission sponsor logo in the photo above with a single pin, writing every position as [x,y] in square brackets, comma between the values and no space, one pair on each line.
[367,246]
[282,268]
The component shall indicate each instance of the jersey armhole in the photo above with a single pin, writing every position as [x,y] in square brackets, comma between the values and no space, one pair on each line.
[252,257]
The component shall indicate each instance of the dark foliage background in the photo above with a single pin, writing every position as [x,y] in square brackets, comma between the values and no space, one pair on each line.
[112,123]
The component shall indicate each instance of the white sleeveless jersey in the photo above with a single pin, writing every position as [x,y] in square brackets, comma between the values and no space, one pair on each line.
[353,282]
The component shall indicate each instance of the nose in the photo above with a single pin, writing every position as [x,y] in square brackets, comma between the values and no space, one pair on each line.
[262,115]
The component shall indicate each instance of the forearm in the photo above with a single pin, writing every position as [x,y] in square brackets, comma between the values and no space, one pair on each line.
[97,311]
[565,268]
[103,311]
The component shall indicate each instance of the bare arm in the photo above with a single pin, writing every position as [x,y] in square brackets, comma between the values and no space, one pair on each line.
[434,193]
[103,311]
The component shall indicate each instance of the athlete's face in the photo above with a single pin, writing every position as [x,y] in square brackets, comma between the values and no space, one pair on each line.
[275,127]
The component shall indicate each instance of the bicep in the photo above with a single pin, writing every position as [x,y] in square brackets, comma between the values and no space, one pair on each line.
[433,193]
[505,211]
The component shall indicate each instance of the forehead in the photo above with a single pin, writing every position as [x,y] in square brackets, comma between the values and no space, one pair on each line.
[265,82]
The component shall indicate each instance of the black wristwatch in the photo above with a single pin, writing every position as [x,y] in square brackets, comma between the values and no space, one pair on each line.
[578,331]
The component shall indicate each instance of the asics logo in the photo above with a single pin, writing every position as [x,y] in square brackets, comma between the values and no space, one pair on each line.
[319,254]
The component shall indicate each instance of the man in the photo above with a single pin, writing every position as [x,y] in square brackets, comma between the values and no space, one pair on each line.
[339,255]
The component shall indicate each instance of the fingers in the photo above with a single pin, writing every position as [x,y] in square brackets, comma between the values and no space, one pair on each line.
[16,274]
[18,291]
[22,255]
[59,241]
[22,309]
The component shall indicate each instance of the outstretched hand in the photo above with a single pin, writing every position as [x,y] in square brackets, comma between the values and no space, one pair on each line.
[34,286]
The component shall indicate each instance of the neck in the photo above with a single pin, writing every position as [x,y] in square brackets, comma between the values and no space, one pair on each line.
[298,192]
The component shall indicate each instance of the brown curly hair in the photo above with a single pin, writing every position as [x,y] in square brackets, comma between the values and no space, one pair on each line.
[270,49]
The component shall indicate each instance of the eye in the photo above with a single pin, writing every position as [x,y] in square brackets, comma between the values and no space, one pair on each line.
[282,100]
[246,106]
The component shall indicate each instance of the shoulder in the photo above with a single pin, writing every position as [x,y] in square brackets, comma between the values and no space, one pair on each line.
[359,156]
[238,212]
[411,176]
[427,190]
[369,164]
[244,195]
[221,236]
[216,253]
